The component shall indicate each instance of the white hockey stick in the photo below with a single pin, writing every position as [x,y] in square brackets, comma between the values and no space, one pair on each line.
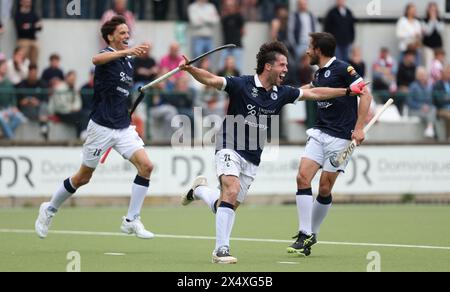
[344,155]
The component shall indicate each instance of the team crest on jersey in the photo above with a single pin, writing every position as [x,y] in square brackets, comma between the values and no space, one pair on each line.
[327,74]
[351,71]
[274,96]
[255,92]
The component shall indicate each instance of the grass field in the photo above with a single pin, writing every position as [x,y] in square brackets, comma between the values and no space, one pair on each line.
[407,238]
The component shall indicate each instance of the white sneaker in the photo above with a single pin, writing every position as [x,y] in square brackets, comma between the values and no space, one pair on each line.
[429,132]
[189,197]
[136,227]
[222,256]
[44,220]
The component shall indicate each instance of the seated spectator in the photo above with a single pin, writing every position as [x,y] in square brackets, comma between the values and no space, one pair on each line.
[162,112]
[420,101]
[437,65]
[405,76]
[170,62]
[145,70]
[230,68]
[54,71]
[356,60]
[10,116]
[66,103]
[28,24]
[441,95]
[18,66]
[33,100]
[384,73]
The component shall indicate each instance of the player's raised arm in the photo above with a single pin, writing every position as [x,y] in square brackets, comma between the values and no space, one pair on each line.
[323,93]
[202,76]
[106,57]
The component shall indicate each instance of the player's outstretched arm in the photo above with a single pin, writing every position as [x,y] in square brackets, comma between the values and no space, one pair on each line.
[106,57]
[202,76]
[323,93]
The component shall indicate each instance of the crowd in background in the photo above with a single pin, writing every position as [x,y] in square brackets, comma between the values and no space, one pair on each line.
[419,78]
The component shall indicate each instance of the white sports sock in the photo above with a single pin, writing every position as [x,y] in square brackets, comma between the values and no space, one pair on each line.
[138,193]
[304,200]
[65,191]
[320,211]
[224,225]
[208,195]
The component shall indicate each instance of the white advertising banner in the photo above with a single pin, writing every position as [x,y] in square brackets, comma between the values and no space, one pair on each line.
[38,171]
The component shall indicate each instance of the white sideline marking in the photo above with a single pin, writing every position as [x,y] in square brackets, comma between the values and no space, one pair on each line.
[91,233]
[114,254]
[288,263]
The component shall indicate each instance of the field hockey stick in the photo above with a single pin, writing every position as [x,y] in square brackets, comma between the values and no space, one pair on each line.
[344,155]
[162,78]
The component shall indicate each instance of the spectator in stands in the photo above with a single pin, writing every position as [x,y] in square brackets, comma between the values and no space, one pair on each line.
[162,112]
[18,66]
[10,116]
[441,97]
[301,24]
[54,71]
[250,10]
[233,30]
[437,65]
[33,100]
[356,60]
[432,27]
[145,69]
[383,73]
[420,101]
[409,31]
[279,26]
[406,75]
[341,23]
[87,94]
[66,103]
[28,24]
[229,68]
[170,62]
[203,17]
[120,7]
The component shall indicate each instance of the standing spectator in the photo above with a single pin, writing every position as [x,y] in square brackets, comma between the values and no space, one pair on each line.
[28,24]
[432,27]
[437,65]
[356,60]
[33,101]
[54,71]
[145,69]
[66,103]
[409,30]
[301,24]
[229,68]
[233,30]
[383,72]
[406,75]
[87,94]
[420,101]
[170,62]
[120,7]
[341,23]
[279,26]
[18,66]
[441,97]
[10,116]
[203,17]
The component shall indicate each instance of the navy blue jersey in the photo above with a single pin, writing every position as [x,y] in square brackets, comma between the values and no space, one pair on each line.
[250,113]
[337,117]
[113,83]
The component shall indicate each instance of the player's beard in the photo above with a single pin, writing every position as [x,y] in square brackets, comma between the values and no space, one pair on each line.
[314,60]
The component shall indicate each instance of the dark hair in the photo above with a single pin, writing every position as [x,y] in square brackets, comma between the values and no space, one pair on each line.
[32,67]
[325,42]
[268,54]
[110,26]
[54,57]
